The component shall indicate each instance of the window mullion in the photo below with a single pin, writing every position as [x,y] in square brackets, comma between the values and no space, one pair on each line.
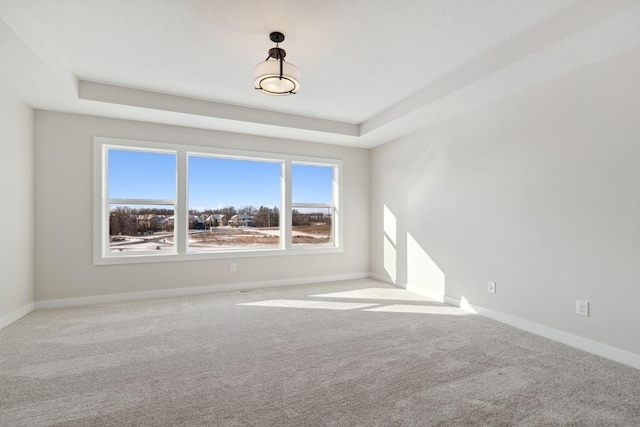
[312,205]
[104,238]
[141,202]
[337,206]
[181,223]
[285,213]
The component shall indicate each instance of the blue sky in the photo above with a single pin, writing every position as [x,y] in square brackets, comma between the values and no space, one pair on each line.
[213,182]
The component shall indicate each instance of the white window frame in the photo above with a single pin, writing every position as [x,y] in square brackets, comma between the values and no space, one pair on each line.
[334,204]
[101,203]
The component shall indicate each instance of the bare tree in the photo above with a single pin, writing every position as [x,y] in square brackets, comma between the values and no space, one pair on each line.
[248,210]
[296,217]
[265,217]
[121,221]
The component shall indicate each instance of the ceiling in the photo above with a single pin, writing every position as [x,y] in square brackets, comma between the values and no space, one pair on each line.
[371,70]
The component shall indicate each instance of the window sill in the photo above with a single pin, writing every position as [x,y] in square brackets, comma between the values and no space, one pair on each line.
[196,256]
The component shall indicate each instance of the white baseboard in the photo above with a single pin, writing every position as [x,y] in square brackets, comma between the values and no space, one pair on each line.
[424,292]
[416,290]
[177,292]
[451,301]
[16,314]
[594,347]
[384,279]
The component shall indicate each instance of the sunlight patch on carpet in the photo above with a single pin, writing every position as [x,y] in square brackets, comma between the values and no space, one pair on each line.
[376,293]
[420,309]
[323,305]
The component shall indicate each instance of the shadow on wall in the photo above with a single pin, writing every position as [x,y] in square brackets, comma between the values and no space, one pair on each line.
[406,263]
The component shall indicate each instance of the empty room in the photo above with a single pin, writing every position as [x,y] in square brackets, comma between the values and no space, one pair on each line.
[320,213]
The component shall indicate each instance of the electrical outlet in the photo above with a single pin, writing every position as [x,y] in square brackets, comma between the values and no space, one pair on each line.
[582,308]
[232,266]
[491,287]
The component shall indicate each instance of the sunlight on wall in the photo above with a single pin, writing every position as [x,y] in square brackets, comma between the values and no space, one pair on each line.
[323,305]
[466,305]
[390,259]
[390,225]
[390,256]
[423,274]
[420,309]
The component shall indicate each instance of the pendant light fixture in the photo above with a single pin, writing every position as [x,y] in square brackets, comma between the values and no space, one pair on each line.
[277,77]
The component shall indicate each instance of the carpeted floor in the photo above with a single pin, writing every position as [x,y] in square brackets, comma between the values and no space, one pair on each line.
[353,353]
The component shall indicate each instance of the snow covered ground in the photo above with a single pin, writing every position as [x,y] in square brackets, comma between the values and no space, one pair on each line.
[224,240]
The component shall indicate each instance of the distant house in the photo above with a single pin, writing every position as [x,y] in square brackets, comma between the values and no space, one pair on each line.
[153,222]
[195,222]
[316,217]
[241,221]
[164,224]
[222,218]
[148,222]
[210,220]
[170,222]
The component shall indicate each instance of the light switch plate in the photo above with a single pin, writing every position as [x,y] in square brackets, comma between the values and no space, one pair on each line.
[491,287]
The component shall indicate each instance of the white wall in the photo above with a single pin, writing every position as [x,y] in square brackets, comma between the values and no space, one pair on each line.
[539,192]
[17,213]
[64,179]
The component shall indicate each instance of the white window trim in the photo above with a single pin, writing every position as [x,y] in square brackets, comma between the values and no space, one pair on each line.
[335,204]
[101,254]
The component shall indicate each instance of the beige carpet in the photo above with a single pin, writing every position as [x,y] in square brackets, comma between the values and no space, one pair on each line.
[354,353]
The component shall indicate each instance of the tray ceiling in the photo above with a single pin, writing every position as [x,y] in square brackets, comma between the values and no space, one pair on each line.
[370,70]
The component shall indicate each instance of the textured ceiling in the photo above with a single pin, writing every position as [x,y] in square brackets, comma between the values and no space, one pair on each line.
[364,63]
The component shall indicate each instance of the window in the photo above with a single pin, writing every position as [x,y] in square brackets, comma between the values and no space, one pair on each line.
[159,202]
[312,205]
[141,199]
[233,204]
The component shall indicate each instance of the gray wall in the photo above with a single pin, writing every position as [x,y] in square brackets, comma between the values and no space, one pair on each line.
[539,192]
[64,180]
[17,213]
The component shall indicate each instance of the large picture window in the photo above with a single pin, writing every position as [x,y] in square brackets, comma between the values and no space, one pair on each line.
[157,202]
[233,203]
